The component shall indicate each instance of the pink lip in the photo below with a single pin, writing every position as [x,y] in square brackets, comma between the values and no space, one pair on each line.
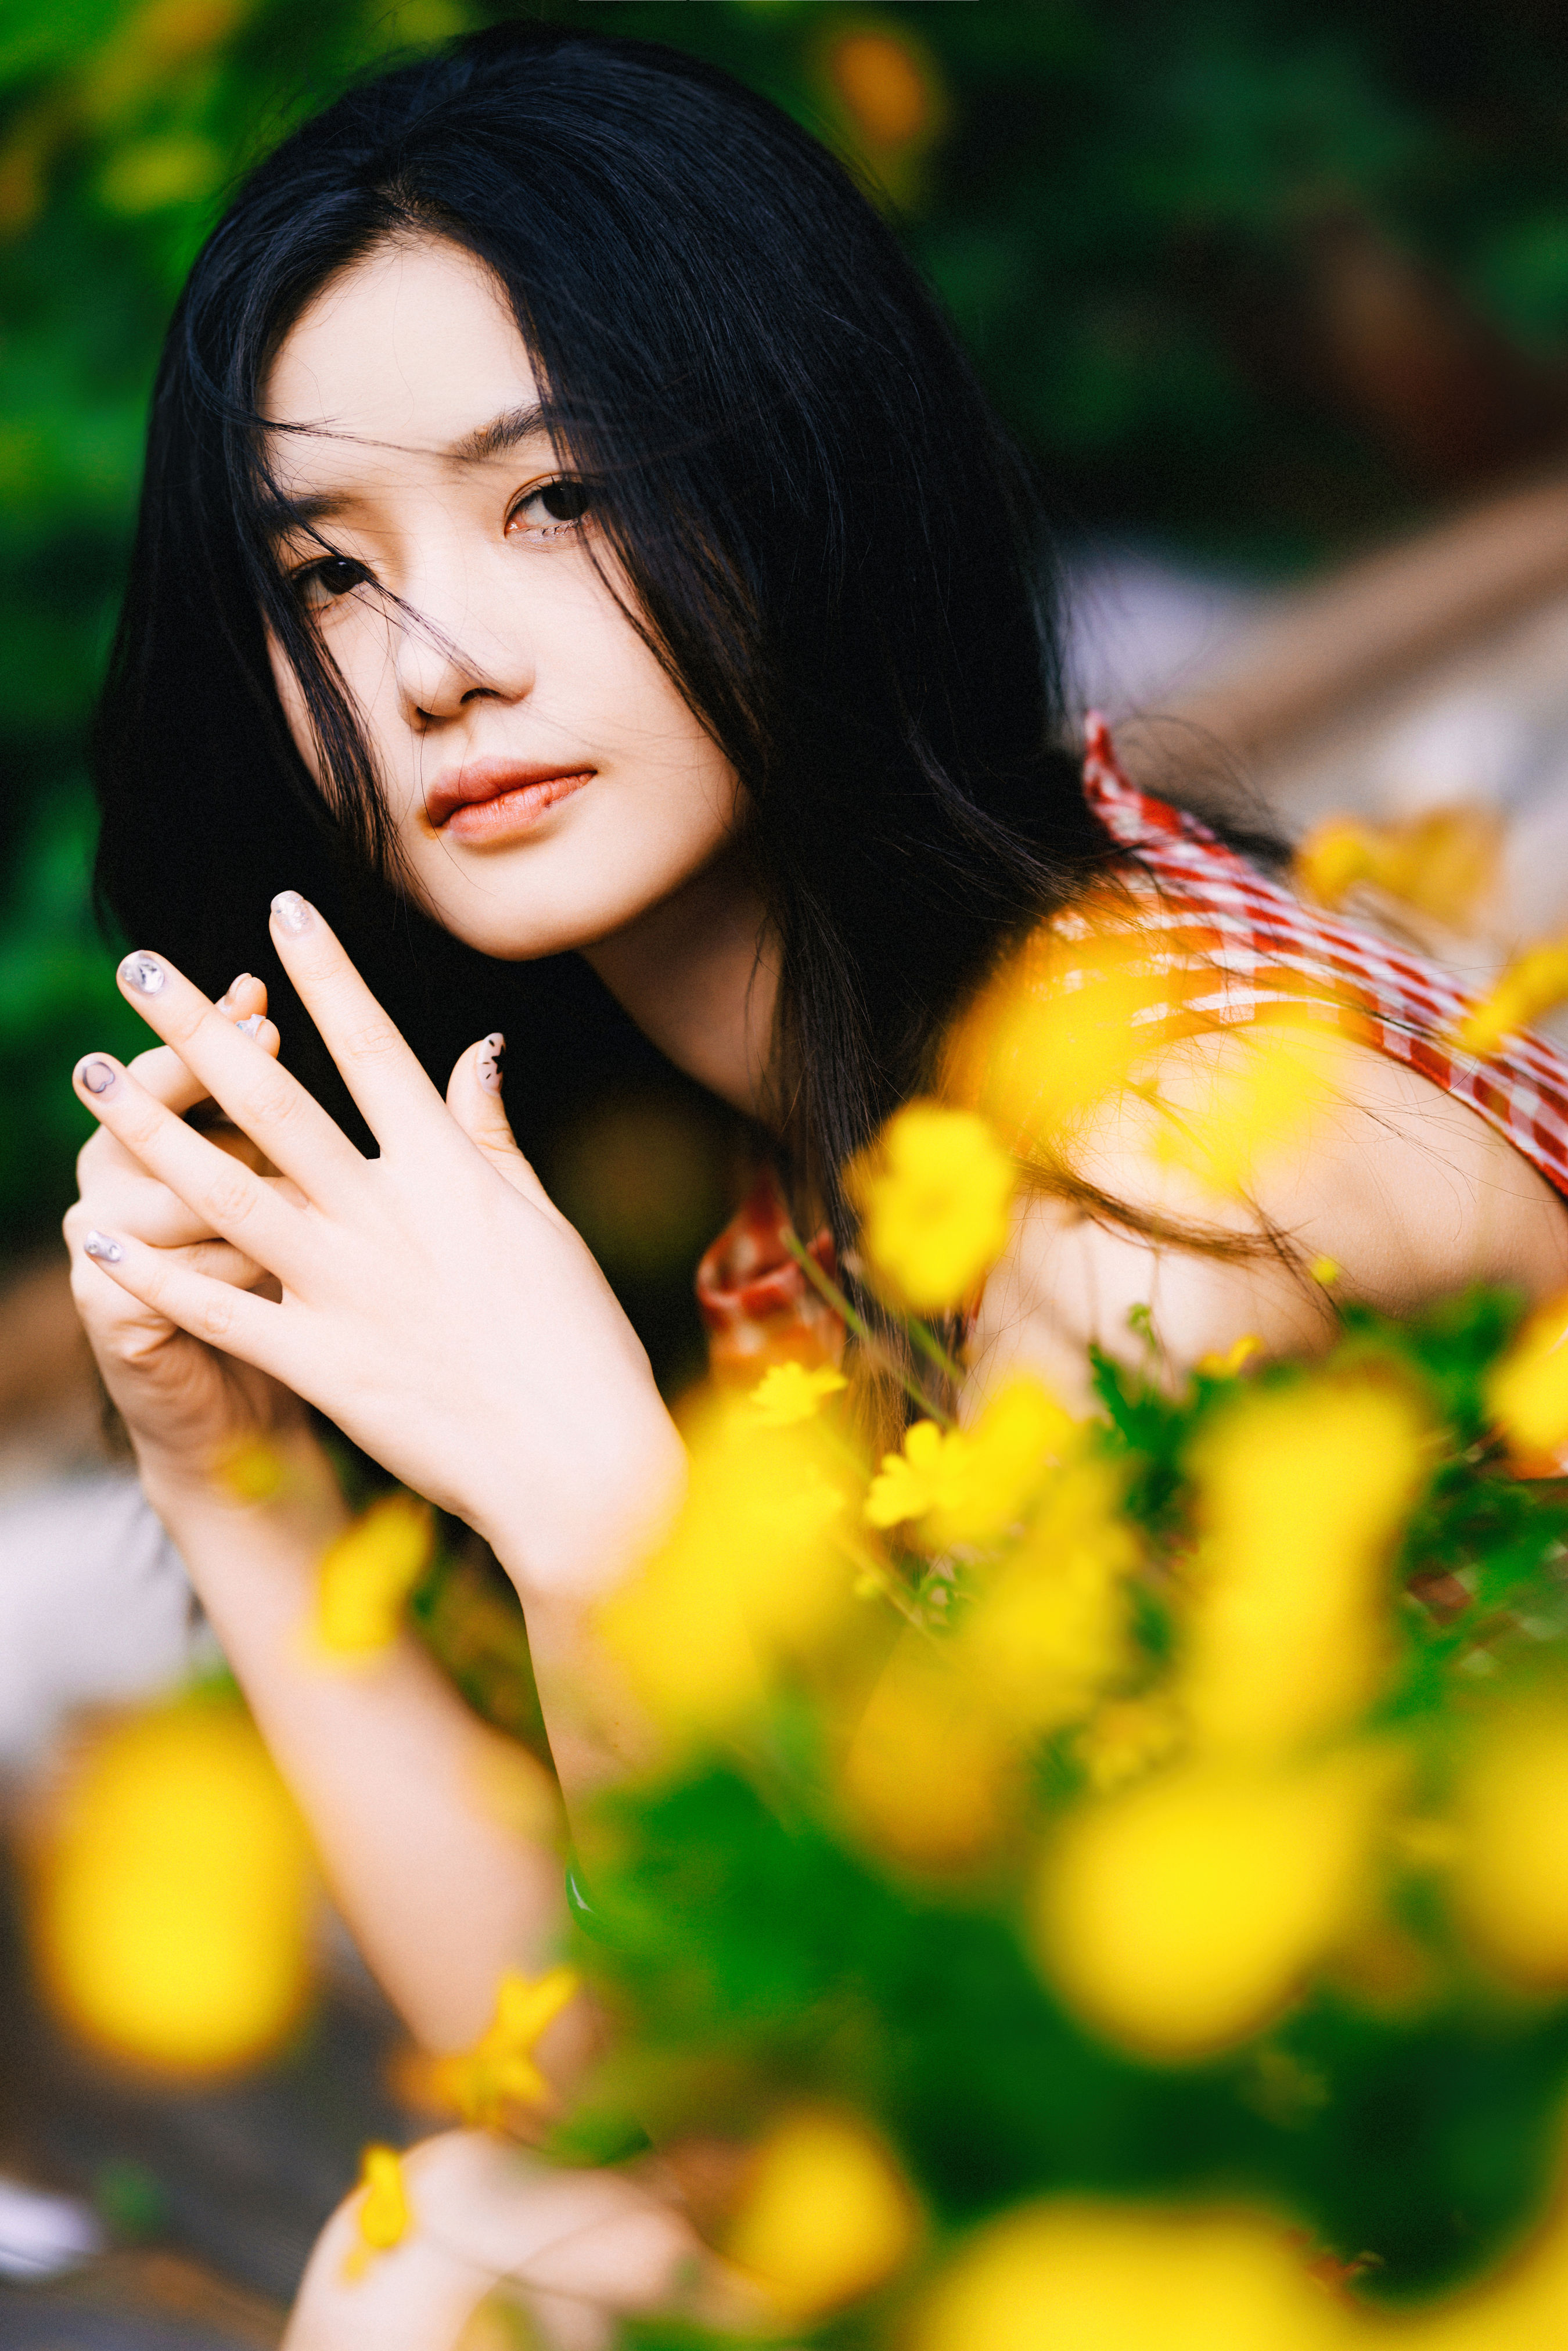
[492,800]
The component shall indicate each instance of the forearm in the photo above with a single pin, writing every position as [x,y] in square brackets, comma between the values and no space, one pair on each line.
[419,1813]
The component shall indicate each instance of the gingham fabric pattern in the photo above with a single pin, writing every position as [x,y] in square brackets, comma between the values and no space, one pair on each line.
[1244,945]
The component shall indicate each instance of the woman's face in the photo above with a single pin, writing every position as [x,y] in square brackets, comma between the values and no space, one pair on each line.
[547,782]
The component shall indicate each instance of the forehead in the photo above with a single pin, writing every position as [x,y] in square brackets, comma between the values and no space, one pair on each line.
[412,349]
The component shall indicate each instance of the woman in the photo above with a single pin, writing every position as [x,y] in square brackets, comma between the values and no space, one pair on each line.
[569,527]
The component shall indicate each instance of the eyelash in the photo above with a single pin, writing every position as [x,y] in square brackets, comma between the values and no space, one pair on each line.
[540,534]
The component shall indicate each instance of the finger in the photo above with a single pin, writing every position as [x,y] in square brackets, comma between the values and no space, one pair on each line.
[230,1318]
[379,1067]
[170,1081]
[244,1079]
[473,1098]
[228,1196]
[136,1203]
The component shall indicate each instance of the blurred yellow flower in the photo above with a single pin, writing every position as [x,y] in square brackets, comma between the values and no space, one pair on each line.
[1444,861]
[826,2214]
[1180,1916]
[173,1891]
[1324,1271]
[788,1393]
[1047,1628]
[367,1574]
[1127,1738]
[384,2218]
[1060,1030]
[1226,1364]
[889,87]
[1530,985]
[1302,1492]
[753,1576]
[934,1197]
[1257,1101]
[252,1471]
[972,1486]
[1102,2277]
[930,1775]
[1526,1388]
[1508,1882]
[499,2072]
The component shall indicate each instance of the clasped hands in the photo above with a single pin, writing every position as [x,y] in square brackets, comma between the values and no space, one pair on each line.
[432,1300]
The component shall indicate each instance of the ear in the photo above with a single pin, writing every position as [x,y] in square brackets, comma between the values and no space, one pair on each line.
[473,1098]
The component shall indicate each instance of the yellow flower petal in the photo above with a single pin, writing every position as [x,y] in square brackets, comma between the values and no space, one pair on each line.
[1532,984]
[367,1574]
[788,1393]
[934,1199]
[826,2215]
[384,2217]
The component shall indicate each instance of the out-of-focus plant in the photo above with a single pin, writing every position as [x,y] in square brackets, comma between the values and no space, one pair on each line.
[172,1890]
[1146,1828]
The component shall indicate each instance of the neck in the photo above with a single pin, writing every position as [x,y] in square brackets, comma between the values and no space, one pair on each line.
[699,975]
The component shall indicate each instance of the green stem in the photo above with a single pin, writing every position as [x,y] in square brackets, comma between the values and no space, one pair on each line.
[829,1290]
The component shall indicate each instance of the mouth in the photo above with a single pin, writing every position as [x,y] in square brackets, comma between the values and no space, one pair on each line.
[495,800]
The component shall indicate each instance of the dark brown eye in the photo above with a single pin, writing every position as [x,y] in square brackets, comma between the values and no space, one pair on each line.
[564,501]
[334,576]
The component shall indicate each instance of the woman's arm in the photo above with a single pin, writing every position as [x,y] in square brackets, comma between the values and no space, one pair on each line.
[432,1302]
[439,1845]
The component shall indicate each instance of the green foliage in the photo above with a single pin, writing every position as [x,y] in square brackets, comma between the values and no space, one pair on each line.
[760,1951]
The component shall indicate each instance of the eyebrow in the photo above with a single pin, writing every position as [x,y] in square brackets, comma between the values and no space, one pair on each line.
[492,440]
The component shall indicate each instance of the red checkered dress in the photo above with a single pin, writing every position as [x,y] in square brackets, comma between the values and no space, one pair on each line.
[1217,915]
[1240,945]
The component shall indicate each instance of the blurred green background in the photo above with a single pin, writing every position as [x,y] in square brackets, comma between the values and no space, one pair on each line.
[1255,282]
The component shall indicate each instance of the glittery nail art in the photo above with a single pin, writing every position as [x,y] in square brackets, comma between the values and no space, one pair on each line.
[144,973]
[291,911]
[103,1247]
[251,1025]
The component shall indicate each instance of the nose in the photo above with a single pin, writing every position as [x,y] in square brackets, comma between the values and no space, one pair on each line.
[448,657]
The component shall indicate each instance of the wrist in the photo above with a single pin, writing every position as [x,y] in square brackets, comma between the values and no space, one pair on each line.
[279,1493]
[609,1518]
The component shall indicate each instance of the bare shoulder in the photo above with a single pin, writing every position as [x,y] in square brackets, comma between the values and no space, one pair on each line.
[1410,1193]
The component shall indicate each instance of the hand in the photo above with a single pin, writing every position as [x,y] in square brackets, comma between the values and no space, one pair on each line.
[186,1404]
[433,1301]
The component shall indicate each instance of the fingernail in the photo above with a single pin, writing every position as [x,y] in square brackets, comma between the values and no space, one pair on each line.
[98,1076]
[251,1025]
[491,1054]
[103,1247]
[226,1002]
[291,911]
[144,973]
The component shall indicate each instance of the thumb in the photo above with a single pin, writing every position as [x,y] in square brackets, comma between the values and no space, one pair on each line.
[474,1098]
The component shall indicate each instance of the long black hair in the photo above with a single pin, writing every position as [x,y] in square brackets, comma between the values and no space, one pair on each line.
[831,543]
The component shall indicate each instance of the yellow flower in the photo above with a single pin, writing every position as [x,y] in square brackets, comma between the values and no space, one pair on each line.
[367,1574]
[826,2215]
[174,1892]
[384,2218]
[1126,1738]
[1060,1030]
[753,1578]
[1102,2277]
[889,88]
[1227,1365]
[1252,1109]
[1048,1629]
[1526,1388]
[972,1486]
[930,1776]
[1324,1271]
[1302,1492]
[1509,1880]
[384,2215]
[1180,1916]
[252,1471]
[933,1200]
[1530,985]
[1444,861]
[499,2072]
[788,1392]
